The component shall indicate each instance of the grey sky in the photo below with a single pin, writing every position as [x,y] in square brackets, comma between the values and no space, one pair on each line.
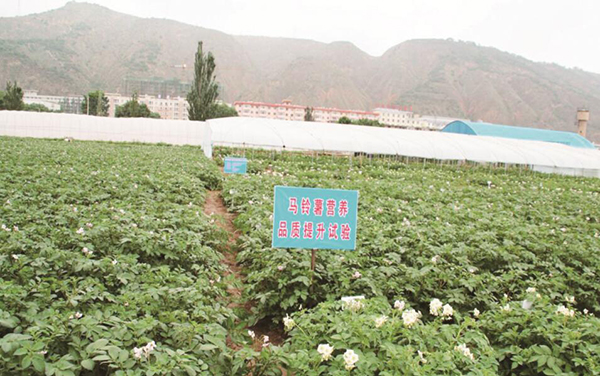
[558,31]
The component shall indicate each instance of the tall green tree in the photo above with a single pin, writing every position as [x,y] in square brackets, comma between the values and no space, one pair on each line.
[134,109]
[13,97]
[2,94]
[203,95]
[98,104]
[308,114]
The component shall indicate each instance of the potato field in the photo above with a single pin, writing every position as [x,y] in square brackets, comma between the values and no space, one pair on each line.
[109,265]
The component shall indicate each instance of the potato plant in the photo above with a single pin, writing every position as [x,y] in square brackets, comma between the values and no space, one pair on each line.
[473,237]
[107,263]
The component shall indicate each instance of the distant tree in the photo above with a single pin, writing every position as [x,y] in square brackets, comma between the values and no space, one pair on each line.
[97,107]
[13,97]
[221,110]
[369,122]
[134,109]
[204,91]
[2,94]
[344,120]
[308,114]
[36,107]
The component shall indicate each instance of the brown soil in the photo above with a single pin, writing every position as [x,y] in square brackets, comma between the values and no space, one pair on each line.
[215,206]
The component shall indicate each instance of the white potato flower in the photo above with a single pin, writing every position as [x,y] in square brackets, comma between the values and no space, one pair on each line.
[288,322]
[399,305]
[379,321]
[435,307]
[465,351]
[350,359]
[410,317]
[325,350]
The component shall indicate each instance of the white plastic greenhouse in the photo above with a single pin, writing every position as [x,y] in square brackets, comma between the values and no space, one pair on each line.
[327,137]
[308,136]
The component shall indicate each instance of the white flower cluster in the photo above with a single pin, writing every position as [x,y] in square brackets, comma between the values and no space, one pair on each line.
[353,303]
[325,350]
[356,275]
[476,312]
[570,299]
[265,341]
[465,351]
[437,308]
[379,321]
[145,351]
[81,231]
[506,308]
[87,252]
[350,359]
[288,322]
[251,334]
[421,357]
[5,228]
[77,315]
[531,290]
[281,268]
[410,317]
[399,305]
[435,259]
[562,310]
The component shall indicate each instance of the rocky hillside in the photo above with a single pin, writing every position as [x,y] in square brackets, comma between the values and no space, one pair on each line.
[84,46]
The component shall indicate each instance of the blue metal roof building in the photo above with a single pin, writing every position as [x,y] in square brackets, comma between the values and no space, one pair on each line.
[507,131]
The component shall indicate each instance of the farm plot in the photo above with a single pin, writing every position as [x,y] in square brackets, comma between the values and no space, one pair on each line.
[107,264]
[466,270]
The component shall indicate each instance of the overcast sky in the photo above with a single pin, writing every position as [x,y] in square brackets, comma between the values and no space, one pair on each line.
[557,31]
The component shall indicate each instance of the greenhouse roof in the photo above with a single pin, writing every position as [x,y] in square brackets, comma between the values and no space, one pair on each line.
[521,133]
[344,138]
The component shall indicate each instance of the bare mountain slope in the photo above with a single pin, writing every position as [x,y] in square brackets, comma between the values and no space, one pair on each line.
[84,46]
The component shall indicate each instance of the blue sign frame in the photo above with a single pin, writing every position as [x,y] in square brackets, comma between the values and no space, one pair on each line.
[234,165]
[314,218]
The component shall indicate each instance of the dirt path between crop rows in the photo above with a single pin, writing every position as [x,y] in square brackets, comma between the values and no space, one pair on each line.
[215,206]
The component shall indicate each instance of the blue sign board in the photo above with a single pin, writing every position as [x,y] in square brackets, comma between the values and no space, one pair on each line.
[314,218]
[235,165]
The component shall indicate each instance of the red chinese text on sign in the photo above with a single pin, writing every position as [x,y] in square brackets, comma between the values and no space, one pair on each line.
[305,206]
[282,232]
[295,230]
[320,231]
[330,208]
[343,208]
[308,230]
[345,235]
[318,208]
[333,227]
[293,207]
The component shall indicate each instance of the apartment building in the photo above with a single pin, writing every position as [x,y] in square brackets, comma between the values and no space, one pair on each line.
[168,108]
[288,111]
[68,104]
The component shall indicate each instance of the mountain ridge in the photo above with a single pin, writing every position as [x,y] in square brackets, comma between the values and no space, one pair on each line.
[83,46]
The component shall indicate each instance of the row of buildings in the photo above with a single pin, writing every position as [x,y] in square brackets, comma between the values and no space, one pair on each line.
[176,108]
[391,116]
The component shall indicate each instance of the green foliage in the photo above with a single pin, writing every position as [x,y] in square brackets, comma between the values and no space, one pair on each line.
[368,122]
[2,95]
[344,120]
[205,90]
[13,97]
[104,249]
[468,236]
[133,109]
[221,110]
[308,114]
[36,107]
[98,104]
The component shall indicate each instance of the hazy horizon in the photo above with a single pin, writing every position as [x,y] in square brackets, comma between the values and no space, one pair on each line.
[539,31]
